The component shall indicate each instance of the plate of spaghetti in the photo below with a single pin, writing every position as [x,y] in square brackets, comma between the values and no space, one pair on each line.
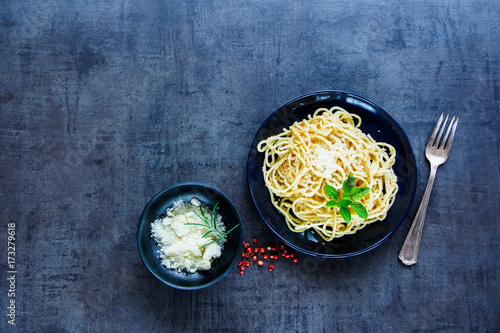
[332,174]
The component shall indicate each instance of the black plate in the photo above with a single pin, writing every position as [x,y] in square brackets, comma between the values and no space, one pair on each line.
[148,248]
[376,122]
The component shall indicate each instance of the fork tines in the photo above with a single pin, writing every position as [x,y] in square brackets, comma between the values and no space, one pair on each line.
[437,133]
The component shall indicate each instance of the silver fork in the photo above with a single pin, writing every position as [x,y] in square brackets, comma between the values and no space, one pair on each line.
[436,151]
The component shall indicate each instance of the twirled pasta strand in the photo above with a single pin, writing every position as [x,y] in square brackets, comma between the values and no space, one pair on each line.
[324,149]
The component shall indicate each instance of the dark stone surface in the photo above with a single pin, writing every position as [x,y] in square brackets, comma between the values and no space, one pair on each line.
[105,103]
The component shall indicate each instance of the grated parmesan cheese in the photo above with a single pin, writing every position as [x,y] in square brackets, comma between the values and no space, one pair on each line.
[179,244]
[323,162]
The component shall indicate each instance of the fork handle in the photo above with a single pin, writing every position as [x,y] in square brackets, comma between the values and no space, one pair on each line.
[409,250]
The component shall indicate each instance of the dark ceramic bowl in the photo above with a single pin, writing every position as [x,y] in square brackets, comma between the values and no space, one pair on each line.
[148,248]
[374,121]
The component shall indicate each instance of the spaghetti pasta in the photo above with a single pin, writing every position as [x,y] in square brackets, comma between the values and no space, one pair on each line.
[325,149]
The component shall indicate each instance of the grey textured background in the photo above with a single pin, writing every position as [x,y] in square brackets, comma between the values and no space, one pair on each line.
[105,103]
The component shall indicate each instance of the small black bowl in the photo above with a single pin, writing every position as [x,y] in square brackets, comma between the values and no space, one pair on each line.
[148,248]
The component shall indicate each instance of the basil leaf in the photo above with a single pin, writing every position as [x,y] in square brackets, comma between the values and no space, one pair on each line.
[331,203]
[346,214]
[348,184]
[360,210]
[331,192]
[355,191]
[359,192]
[344,202]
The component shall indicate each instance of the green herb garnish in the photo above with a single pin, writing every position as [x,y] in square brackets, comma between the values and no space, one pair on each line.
[211,225]
[350,193]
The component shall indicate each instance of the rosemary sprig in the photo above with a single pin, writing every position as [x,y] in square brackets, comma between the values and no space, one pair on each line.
[211,225]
